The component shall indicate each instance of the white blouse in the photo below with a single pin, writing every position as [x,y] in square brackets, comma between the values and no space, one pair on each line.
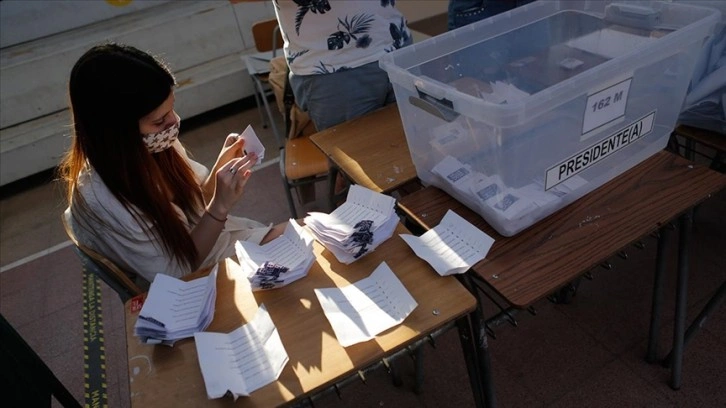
[121,238]
[325,36]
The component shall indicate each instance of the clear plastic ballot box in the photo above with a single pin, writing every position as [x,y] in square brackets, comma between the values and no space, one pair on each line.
[520,114]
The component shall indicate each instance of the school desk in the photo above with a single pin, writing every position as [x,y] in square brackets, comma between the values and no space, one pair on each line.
[162,376]
[558,249]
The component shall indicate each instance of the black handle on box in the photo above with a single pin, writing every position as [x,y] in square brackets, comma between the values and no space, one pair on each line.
[439,107]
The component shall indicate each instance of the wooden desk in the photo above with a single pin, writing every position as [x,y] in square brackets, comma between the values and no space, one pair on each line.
[540,260]
[170,377]
[371,150]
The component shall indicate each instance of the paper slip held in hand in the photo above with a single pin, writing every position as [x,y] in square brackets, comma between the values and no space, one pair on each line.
[175,309]
[242,361]
[360,311]
[253,144]
[357,227]
[279,262]
[451,247]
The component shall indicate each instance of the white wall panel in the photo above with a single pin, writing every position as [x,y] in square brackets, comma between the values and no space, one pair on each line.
[202,42]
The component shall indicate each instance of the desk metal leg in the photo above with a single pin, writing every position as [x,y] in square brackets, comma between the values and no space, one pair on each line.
[690,149]
[686,222]
[470,358]
[663,241]
[481,369]
[700,320]
[419,369]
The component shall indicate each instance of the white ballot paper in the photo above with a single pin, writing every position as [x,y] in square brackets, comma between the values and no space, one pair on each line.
[360,311]
[242,361]
[451,247]
[456,174]
[609,43]
[252,143]
[279,262]
[357,227]
[175,309]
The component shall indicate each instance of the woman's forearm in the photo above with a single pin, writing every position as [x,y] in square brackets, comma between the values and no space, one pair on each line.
[205,235]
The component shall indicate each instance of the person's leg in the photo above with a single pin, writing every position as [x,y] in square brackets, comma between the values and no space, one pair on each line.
[334,98]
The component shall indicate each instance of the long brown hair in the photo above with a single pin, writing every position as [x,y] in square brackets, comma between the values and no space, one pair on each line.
[111,88]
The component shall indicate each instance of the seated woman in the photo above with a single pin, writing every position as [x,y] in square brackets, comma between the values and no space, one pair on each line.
[133,193]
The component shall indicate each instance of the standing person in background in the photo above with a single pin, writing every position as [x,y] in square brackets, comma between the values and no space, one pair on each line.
[133,193]
[332,48]
[463,12]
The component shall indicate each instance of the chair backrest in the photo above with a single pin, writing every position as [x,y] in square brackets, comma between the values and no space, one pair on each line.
[267,35]
[120,281]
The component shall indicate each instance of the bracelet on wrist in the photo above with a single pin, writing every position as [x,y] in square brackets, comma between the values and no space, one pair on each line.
[224,220]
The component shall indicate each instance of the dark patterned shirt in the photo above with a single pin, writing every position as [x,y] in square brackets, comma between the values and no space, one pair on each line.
[325,36]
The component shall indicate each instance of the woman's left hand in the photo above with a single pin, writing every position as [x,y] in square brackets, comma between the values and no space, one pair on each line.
[233,148]
[230,183]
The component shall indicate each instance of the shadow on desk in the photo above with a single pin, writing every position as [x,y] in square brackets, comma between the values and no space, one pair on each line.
[317,360]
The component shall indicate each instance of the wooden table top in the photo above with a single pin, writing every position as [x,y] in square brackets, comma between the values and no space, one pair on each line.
[371,150]
[163,376]
[556,250]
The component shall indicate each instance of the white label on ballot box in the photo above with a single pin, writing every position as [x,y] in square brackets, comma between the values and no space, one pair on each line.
[606,106]
[596,152]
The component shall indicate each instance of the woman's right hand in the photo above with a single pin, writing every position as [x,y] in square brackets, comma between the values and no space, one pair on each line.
[231,179]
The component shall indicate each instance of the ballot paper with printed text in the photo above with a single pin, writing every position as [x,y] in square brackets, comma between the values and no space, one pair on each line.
[279,262]
[451,247]
[242,361]
[356,228]
[360,311]
[175,309]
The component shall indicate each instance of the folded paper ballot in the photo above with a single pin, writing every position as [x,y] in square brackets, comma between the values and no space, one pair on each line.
[357,227]
[451,247]
[360,311]
[175,309]
[279,262]
[491,197]
[253,143]
[242,361]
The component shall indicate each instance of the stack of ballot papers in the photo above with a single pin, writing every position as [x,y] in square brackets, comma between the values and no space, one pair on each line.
[451,247]
[360,311]
[175,309]
[240,362]
[279,262]
[357,227]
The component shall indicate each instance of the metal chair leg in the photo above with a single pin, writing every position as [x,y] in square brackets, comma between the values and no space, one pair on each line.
[287,186]
[271,118]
